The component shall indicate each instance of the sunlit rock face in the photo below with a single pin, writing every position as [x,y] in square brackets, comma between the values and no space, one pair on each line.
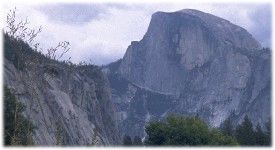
[176,43]
[201,64]
[71,105]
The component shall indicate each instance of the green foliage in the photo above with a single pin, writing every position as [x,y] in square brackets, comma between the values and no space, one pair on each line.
[185,131]
[260,137]
[127,141]
[157,134]
[220,139]
[244,132]
[18,130]
[246,135]
[227,127]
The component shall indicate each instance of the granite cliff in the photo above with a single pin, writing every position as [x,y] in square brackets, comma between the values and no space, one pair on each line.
[191,63]
[62,101]
[188,62]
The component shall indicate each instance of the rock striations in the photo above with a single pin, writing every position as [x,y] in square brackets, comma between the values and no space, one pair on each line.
[192,63]
[68,105]
[188,62]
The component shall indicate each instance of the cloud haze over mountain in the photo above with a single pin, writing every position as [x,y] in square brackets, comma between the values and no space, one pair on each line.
[101,32]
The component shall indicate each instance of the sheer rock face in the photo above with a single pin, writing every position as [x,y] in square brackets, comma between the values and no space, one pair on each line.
[208,66]
[176,43]
[72,104]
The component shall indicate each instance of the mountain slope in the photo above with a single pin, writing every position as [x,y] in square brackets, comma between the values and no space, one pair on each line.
[203,65]
[71,103]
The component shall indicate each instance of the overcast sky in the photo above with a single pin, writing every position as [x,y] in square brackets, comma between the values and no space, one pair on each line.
[101,32]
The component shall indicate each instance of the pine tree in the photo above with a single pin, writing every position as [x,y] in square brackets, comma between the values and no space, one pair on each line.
[244,132]
[227,127]
[260,137]
[127,141]
[268,132]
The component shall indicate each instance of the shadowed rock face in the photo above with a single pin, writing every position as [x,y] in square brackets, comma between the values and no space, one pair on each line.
[205,64]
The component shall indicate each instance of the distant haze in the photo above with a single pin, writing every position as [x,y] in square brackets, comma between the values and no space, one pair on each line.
[101,32]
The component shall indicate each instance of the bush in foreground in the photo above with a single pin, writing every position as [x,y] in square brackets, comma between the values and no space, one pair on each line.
[185,131]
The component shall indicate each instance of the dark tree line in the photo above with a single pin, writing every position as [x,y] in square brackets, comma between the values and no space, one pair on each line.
[192,131]
[245,133]
[185,131]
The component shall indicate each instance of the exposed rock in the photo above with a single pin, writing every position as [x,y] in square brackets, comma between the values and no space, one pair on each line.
[62,99]
[188,62]
[198,64]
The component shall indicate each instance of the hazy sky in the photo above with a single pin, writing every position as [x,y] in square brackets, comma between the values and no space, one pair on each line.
[101,32]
